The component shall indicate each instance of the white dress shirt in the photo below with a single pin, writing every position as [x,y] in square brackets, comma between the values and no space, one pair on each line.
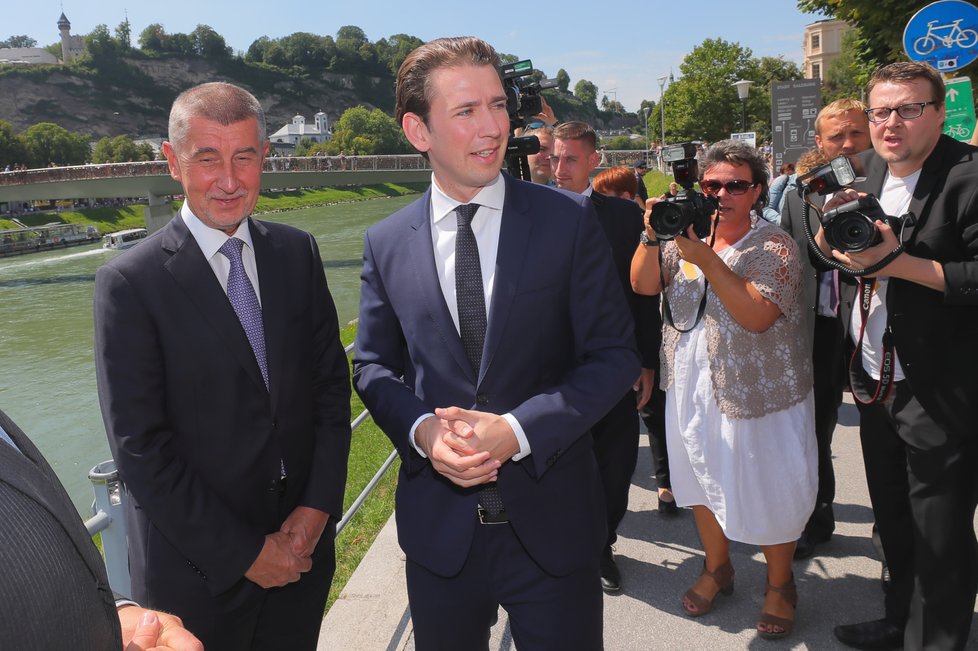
[485,226]
[210,240]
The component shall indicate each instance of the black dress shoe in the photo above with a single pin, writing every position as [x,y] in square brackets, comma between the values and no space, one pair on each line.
[805,547]
[610,575]
[877,634]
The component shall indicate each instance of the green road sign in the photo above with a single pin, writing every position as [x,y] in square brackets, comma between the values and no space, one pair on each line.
[959,105]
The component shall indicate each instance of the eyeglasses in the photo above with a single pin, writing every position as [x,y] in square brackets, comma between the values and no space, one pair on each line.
[535,124]
[910,111]
[735,188]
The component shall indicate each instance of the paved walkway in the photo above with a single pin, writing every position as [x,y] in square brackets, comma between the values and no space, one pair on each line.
[659,558]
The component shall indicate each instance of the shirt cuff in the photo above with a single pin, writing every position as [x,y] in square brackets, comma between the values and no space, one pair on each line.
[520,437]
[414,428]
[119,603]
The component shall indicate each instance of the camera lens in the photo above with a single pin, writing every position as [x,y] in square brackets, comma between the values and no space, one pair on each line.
[668,220]
[852,231]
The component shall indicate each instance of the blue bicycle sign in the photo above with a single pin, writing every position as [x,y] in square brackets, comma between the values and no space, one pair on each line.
[943,34]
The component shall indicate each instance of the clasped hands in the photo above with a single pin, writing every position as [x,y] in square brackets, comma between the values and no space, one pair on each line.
[468,447]
[286,554]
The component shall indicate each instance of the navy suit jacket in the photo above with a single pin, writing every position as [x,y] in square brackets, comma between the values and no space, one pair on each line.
[559,353]
[195,434]
[936,334]
[54,593]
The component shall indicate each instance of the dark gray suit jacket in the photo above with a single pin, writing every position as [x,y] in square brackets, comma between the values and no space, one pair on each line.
[54,593]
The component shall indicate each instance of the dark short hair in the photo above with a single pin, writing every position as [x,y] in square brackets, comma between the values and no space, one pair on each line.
[639,164]
[577,130]
[217,101]
[413,90]
[737,152]
[903,72]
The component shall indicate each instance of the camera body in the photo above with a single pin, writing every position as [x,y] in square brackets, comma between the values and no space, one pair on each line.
[523,98]
[852,227]
[672,216]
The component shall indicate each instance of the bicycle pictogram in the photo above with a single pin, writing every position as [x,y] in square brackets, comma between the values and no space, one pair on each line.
[948,35]
[959,132]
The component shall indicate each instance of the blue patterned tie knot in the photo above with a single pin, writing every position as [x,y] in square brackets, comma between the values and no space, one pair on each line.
[244,300]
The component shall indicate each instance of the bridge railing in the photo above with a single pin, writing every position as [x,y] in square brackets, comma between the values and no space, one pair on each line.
[272,164]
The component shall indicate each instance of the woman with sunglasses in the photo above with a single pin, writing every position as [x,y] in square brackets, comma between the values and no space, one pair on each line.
[738,381]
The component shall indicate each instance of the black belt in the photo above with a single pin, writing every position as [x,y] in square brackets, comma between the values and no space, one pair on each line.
[485,517]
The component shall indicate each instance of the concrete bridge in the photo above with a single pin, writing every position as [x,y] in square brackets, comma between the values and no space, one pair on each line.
[152,179]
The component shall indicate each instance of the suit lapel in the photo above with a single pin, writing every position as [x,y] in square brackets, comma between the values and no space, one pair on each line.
[924,188]
[274,289]
[421,253]
[192,272]
[29,473]
[514,239]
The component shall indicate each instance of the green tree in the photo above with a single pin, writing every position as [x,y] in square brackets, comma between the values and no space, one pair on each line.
[702,104]
[181,44]
[847,74]
[19,41]
[392,51]
[123,35]
[587,92]
[153,38]
[100,45]
[563,80]
[120,149]
[879,24]
[11,147]
[367,132]
[209,44]
[46,143]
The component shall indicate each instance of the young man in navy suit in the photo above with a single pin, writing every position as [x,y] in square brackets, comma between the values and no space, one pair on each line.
[492,336]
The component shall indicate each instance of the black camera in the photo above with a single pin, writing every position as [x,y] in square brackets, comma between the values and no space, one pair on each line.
[831,177]
[523,98]
[672,216]
[852,226]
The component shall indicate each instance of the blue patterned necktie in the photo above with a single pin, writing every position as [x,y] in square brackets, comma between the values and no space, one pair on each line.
[470,297]
[244,300]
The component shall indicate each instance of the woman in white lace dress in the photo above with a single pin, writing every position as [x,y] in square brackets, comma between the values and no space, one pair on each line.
[738,381]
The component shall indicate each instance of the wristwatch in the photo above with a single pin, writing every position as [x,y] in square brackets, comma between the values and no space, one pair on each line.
[646,240]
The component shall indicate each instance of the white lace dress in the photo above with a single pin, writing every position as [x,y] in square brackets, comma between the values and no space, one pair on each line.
[758,473]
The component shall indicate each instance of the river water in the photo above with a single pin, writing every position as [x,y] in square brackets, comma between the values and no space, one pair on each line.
[47,370]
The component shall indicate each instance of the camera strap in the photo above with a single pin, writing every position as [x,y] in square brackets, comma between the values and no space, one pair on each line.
[888,360]
[666,309]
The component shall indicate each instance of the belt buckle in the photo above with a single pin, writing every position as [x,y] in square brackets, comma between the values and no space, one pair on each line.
[485,517]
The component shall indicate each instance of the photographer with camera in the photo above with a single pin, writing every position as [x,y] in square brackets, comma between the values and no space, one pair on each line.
[736,372]
[913,327]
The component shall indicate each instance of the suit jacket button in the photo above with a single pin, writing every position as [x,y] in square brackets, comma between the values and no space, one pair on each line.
[482,399]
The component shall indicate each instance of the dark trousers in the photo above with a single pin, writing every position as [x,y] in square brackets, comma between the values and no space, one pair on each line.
[923,486]
[654,417]
[546,613]
[829,376]
[616,451]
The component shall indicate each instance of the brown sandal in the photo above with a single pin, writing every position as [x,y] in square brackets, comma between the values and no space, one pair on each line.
[723,576]
[786,626]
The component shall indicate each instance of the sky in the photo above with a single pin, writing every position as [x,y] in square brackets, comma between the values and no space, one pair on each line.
[623,54]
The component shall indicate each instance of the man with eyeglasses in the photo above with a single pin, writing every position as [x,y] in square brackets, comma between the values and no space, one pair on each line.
[917,322]
[540,169]
[841,129]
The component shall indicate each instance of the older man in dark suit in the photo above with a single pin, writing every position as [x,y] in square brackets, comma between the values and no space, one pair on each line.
[492,336]
[54,593]
[225,395]
[912,330]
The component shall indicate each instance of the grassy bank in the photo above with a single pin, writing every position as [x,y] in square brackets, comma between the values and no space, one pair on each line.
[117,218]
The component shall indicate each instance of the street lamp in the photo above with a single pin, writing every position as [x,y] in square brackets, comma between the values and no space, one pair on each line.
[662,117]
[743,88]
[648,145]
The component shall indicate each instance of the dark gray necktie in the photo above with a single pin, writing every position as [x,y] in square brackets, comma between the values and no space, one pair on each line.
[244,300]
[470,297]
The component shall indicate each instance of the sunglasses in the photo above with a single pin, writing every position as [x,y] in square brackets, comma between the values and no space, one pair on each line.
[738,187]
[535,124]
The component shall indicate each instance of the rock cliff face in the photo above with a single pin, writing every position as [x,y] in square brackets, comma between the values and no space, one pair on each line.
[134,96]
